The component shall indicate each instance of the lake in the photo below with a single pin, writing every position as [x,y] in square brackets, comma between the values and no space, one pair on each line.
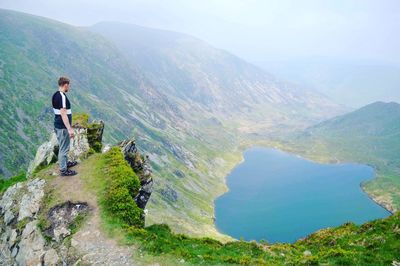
[281,197]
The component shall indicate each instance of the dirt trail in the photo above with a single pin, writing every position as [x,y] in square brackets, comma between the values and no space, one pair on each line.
[90,240]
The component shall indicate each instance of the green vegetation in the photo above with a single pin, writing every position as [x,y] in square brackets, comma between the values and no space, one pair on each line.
[93,138]
[4,184]
[349,244]
[373,243]
[80,120]
[123,185]
[77,222]
[369,135]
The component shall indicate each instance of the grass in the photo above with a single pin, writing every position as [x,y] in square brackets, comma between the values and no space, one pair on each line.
[6,183]
[80,120]
[373,243]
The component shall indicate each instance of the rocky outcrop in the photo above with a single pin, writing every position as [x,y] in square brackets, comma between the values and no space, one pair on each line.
[21,242]
[87,139]
[79,147]
[141,167]
[31,234]
[45,155]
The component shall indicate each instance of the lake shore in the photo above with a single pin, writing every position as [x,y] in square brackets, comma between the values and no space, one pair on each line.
[277,149]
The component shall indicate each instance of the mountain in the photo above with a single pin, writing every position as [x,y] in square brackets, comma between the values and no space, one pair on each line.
[189,105]
[352,82]
[369,135]
[34,51]
[211,79]
[94,218]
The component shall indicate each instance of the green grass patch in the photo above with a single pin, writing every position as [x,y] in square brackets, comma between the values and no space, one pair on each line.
[80,120]
[6,183]
[123,185]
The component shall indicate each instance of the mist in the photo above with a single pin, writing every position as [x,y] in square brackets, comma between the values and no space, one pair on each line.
[259,31]
[256,29]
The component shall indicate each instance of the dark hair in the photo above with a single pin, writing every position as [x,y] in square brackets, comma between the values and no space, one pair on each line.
[62,81]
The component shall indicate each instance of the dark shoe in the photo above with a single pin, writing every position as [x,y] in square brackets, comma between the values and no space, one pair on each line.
[71,164]
[68,172]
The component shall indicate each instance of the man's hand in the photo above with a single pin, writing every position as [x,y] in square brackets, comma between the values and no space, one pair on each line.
[65,120]
[71,132]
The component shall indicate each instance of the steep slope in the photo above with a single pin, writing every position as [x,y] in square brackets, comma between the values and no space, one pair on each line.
[192,133]
[369,135]
[34,52]
[214,80]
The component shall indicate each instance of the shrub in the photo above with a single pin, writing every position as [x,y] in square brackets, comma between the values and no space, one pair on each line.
[123,185]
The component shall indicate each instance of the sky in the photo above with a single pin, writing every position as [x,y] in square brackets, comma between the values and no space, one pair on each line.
[256,30]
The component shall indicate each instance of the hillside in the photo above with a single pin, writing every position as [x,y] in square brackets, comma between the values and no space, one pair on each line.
[191,130]
[369,135]
[92,218]
[207,79]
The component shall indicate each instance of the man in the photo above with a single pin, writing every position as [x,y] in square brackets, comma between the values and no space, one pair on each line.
[62,125]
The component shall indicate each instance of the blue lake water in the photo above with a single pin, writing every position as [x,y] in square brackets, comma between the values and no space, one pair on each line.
[281,197]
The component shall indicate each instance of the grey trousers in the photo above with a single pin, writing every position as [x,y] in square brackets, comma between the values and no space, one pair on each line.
[63,142]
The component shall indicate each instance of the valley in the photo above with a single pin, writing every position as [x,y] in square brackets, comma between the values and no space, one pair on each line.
[191,107]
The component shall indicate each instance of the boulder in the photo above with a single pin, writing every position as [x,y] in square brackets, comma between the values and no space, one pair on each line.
[31,246]
[79,147]
[45,155]
[30,202]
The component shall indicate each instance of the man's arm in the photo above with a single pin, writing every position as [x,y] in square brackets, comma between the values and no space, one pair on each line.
[64,118]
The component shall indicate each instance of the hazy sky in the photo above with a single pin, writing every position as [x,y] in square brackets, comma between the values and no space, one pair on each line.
[257,30]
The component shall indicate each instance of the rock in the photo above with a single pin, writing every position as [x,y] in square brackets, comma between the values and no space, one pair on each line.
[62,216]
[79,145]
[30,202]
[307,253]
[8,217]
[45,155]
[29,229]
[12,239]
[5,236]
[7,201]
[14,252]
[50,257]
[6,257]
[106,148]
[31,246]
[169,194]
[142,168]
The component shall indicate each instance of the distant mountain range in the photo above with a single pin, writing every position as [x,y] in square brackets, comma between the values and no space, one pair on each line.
[353,82]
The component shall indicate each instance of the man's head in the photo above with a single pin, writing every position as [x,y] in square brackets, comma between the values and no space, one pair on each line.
[63,84]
